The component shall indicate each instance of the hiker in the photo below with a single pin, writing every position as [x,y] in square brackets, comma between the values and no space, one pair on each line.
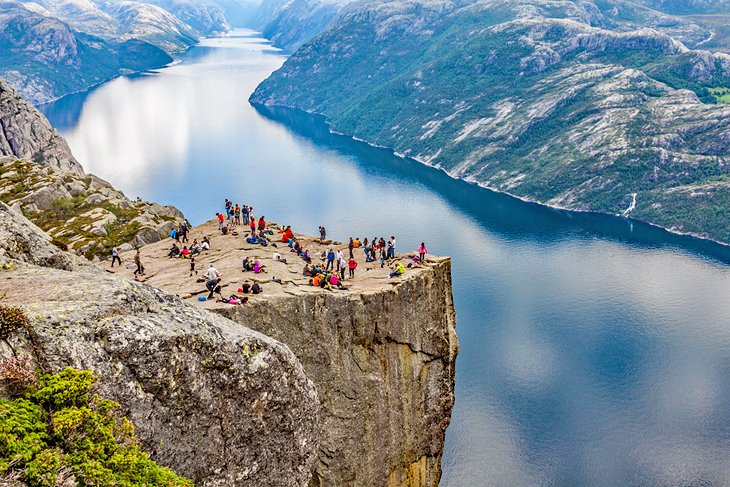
[213,285]
[343,268]
[350,247]
[174,251]
[391,247]
[184,232]
[339,256]
[352,265]
[138,262]
[245,210]
[115,256]
[258,267]
[212,273]
[356,243]
[192,267]
[330,260]
[398,270]
[256,288]
[174,235]
[185,253]
[422,252]
[247,264]
[205,244]
[237,215]
[220,220]
[305,256]
[382,257]
[195,248]
[322,234]
[252,225]
[262,224]
[246,287]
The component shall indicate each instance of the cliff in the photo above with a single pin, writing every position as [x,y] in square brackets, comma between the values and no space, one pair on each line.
[40,178]
[587,106]
[211,399]
[381,354]
[26,134]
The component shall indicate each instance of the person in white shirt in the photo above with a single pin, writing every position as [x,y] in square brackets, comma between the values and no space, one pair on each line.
[212,273]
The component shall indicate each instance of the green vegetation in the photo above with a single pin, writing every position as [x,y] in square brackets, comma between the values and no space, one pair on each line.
[548,111]
[59,431]
[67,219]
[722,95]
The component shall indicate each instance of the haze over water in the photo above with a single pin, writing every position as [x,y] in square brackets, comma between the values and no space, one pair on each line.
[594,350]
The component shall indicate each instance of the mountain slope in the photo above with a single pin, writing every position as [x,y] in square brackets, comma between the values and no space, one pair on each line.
[529,98]
[45,58]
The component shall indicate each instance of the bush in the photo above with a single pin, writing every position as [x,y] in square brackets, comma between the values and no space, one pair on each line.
[11,320]
[60,433]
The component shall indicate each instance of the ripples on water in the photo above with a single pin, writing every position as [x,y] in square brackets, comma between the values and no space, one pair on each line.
[594,350]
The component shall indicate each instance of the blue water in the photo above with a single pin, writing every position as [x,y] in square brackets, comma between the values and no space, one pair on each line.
[594,350]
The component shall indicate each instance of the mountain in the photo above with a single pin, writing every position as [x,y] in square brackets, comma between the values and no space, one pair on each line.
[26,134]
[291,23]
[689,7]
[45,58]
[40,178]
[153,24]
[50,48]
[571,104]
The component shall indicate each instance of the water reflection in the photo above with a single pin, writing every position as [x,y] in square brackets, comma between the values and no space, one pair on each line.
[595,350]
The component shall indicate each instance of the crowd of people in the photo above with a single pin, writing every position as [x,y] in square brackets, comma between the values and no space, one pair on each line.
[328,270]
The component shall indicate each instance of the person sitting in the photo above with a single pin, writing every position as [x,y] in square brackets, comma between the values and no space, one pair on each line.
[336,282]
[398,270]
[195,248]
[356,243]
[205,245]
[174,251]
[246,287]
[253,239]
[256,288]
[247,265]
[258,267]
[305,256]
[297,248]
[185,253]
[286,234]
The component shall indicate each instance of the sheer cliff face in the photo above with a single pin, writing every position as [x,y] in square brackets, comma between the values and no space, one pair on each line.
[26,134]
[383,363]
[211,399]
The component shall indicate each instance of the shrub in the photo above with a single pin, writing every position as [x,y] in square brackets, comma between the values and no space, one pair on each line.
[60,433]
[18,374]
[11,320]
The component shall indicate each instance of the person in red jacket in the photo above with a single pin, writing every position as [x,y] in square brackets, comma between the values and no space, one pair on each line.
[253,225]
[262,224]
[220,220]
[352,265]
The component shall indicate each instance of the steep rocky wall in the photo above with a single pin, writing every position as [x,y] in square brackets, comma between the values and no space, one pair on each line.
[26,134]
[383,363]
[211,399]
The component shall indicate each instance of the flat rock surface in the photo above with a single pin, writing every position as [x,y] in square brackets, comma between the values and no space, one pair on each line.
[227,253]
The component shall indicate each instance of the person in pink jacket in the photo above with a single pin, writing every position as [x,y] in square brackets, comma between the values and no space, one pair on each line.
[422,252]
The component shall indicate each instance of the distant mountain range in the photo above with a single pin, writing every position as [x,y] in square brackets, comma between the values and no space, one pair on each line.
[604,105]
[49,48]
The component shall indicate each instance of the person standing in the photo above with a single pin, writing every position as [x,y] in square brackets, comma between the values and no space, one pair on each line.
[330,260]
[391,247]
[115,256]
[138,262]
[220,220]
[322,234]
[352,265]
[422,252]
[184,232]
[262,224]
[343,268]
[382,257]
[350,247]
